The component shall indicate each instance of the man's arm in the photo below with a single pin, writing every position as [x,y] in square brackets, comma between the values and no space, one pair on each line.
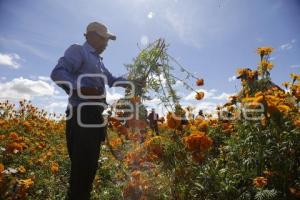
[66,67]
[112,80]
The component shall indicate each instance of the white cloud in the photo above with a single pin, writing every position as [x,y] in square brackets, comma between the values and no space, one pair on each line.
[184,26]
[112,97]
[232,78]
[25,88]
[150,15]
[162,78]
[259,39]
[223,96]
[178,83]
[206,106]
[10,60]
[144,40]
[152,102]
[60,105]
[295,66]
[44,78]
[12,42]
[288,46]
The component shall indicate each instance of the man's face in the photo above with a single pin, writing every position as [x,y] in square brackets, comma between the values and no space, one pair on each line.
[97,41]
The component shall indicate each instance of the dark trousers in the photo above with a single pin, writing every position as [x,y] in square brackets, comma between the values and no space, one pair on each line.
[84,149]
[154,127]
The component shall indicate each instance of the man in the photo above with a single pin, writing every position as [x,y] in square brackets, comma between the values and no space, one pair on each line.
[82,74]
[200,115]
[153,119]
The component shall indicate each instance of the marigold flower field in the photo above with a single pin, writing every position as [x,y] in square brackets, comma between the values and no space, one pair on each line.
[228,156]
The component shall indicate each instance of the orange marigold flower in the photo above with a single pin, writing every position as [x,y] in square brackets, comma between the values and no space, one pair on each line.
[260,181]
[265,65]
[295,89]
[2,122]
[173,121]
[199,95]
[294,192]
[1,168]
[54,167]
[13,135]
[26,183]
[283,108]
[286,84]
[11,147]
[198,141]
[295,76]
[200,82]
[297,123]
[136,99]
[115,142]
[136,174]
[264,51]
[203,126]
[2,137]
[227,127]
[154,146]
[21,169]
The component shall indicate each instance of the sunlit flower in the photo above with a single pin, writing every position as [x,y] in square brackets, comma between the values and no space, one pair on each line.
[260,181]
[136,174]
[242,71]
[154,147]
[1,168]
[283,108]
[198,141]
[173,121]
[286,84]
[54,167]
[297,123]
[26,183]
[22,169]
[295,77]
[200,82]
[199,95]
[262,51]
[136,99]
[114,143]
[11,147]
[13,135]
[265,65]
[2,122]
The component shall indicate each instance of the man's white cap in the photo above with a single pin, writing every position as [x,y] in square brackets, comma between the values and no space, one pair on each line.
[101,30]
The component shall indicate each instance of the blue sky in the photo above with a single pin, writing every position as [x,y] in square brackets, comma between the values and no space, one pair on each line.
[209,37]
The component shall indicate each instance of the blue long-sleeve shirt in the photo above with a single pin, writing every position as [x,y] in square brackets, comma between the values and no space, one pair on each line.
[79,67]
